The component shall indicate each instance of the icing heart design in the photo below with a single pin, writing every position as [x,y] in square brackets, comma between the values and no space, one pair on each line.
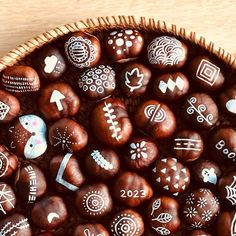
[50,64]
[29,136]
[231,105]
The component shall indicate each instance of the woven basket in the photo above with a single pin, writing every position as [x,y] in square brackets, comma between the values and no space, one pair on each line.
[106,23]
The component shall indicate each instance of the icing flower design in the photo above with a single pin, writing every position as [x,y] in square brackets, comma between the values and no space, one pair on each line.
[138,150]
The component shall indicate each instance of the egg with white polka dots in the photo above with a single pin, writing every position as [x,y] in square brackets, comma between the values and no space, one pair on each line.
[97,83]
[123,45]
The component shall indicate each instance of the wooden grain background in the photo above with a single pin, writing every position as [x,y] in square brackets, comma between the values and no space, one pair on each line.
[22,19]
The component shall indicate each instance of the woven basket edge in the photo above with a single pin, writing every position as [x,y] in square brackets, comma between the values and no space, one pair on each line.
[25,49]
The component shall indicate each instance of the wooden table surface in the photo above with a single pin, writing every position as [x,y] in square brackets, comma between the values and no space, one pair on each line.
[23,19]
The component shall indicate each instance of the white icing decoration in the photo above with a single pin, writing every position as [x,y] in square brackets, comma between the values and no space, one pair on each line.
[80,51]
[222,146]
[37,143]
[187,144]
[4,109]
[51,216]
[207,215]
[125,224]
[231,191]
[101,161]
[155,113]
[171,84]
[156,205]
[61,170]
[6,197]
[231,105]
[95,202]
[111,121]
[13,229]
[88,233]
[4,163]
[209,175]
[207,72]
[199,110]
[138,150]
[32,184]
[138,76]
[165,50]
[161,230]
[233,226]
[119,42]
[50,64]
[56,98]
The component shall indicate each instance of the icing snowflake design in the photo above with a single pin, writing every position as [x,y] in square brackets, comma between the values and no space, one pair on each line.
[207,215]
[98,79]
[196,225]
[202,202]
[165,50]
[63,139]
[80,51]
[205,191]
[190,199]
[215,201]
[190,212]
[138,150]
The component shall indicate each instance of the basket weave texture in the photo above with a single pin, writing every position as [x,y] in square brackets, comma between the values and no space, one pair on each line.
[106,23]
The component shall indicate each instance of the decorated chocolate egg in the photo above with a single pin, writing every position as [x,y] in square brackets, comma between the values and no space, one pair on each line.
[90,230]
[28,136]
[98,82]
[83,50]
[124,44]
[228,100]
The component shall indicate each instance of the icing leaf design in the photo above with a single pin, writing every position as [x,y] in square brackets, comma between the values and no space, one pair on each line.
[161,230]
[156,204]
[138,79]
[163,218]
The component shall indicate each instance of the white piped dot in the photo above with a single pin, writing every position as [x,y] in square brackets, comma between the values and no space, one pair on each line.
[128,43]
[132,37]
[113,33]
[129,31]
[119,42]
[140,39]
[120,34]
[110,41]
[118,52]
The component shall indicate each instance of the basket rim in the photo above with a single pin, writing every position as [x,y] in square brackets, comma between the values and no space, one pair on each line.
[109,22]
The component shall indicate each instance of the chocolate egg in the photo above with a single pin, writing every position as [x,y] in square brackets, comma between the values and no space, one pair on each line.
[226,223]
[8,162]
[90,230]
[94,201]
[67,135]
[20,80]
[58,100]
[102,163]
[132,189]
[140,153]
[227,188]
[15,224]
[65,170]
[134,79]
[172,86]
[83,50]
[223,144]
[30,183]
[155,119]
[7,199]
[98,82]
[163,215]
[205,73]
[49,213]
[188,145]
[28,136]
[124,44]
[206,173]
[111,123]
[228,100]
[50,63]
[9,107]
[200,208]
[171,176]
[166,52]
[127,222]
[200,110]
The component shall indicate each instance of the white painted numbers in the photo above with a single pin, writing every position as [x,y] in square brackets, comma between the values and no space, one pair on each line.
[155,113]
[132,193]
[207,72]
